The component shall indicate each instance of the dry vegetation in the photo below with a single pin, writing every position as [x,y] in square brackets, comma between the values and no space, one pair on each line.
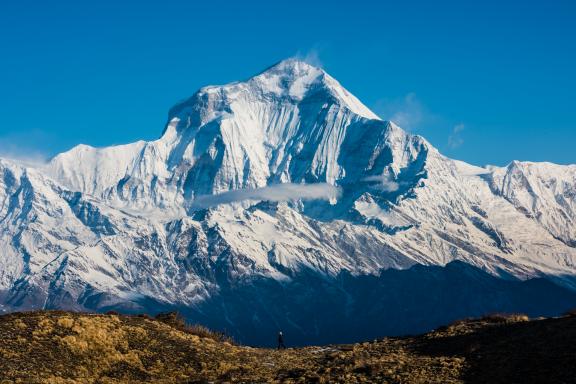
[61,347]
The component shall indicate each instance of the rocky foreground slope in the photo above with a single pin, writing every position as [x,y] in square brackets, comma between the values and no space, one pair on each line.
[61,347]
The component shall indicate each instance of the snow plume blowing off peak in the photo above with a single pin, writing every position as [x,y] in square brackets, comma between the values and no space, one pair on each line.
[278,192]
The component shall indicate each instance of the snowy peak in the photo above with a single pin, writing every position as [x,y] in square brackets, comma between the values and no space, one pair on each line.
[287,124]
[298,79]
[291,78]
[290,82]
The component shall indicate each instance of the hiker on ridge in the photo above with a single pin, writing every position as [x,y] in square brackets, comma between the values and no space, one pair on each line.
[281,341]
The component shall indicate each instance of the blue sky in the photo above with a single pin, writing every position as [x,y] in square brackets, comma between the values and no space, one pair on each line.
[486,82]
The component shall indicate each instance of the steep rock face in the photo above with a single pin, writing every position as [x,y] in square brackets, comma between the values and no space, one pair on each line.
[283,174]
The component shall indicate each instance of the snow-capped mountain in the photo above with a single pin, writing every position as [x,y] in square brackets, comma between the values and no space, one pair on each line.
[283,174]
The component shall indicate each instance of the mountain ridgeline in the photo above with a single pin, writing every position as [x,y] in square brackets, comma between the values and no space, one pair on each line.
[282,202]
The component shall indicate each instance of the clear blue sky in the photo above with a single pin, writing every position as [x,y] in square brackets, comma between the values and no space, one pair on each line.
[487,82]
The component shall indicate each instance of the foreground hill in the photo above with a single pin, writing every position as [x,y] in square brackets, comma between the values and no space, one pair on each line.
[65,347]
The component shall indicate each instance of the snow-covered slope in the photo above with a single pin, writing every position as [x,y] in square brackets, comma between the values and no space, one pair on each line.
[283,173]
[543,191]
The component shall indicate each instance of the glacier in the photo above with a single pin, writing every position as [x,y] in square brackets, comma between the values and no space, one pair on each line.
[283,178]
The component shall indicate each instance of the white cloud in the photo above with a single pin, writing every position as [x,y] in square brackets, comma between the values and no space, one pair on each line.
[385,183]
[278,192]
[19,148]
[407,112]
[455,139]
[32,160]
[311,57]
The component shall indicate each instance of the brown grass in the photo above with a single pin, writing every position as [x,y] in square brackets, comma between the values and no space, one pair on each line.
[59,347]
[176,320]
[505,318]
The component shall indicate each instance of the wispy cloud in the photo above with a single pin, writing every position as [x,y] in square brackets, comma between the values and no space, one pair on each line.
[312,57]
[408,112]
[455,139]
[21,147]
[33,160]
[384,183]
[278,192]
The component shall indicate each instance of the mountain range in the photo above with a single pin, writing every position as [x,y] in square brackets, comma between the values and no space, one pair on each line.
[283,202]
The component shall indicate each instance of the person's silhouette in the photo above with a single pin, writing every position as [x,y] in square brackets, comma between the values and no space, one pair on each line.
[281,341]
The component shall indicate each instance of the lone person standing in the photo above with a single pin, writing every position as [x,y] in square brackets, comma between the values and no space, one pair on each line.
[281,341]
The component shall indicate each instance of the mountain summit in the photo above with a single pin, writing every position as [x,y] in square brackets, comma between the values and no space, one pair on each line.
[257,184]
[285,125]
[290,80]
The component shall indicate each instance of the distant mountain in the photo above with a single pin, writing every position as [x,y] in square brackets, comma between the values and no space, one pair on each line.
[258,183]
